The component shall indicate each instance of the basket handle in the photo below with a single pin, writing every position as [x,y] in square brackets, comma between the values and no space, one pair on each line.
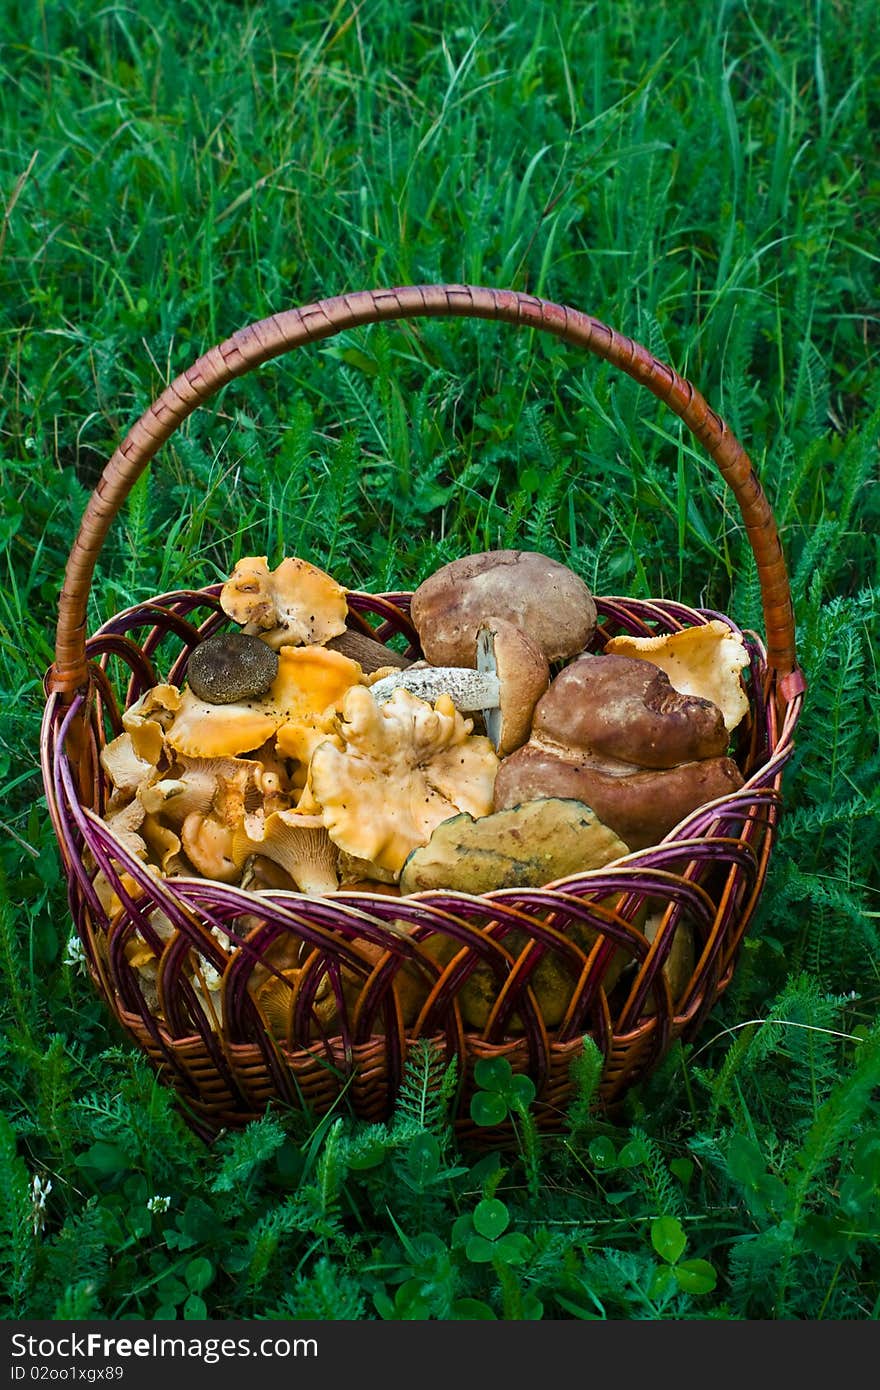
[260,342]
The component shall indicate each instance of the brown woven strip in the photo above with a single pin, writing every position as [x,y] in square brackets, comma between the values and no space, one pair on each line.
[257,343]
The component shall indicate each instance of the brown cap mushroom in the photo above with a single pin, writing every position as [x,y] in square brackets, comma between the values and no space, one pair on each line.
[641,806]
[623,741]
[703,660]
[544,598]
[621,708]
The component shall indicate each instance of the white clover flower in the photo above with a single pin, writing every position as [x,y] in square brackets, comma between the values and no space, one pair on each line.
[40,1190]
[75,955]
[158,1204]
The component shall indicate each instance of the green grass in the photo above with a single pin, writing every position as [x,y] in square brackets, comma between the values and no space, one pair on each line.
[704,178]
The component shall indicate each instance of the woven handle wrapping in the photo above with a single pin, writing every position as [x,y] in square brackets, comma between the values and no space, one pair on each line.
[260,342]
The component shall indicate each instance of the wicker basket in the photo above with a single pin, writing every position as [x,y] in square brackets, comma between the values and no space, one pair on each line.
[214,1045]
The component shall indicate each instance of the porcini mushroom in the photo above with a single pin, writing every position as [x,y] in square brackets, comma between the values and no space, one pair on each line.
[510,676]
[544,598]
[615,707]
[295,604]
[704,660]
[623,741]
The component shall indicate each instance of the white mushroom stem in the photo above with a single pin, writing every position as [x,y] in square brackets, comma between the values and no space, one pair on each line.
[467,689]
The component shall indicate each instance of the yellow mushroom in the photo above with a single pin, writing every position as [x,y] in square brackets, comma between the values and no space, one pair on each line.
[295,604]
[310,679]
[208,845]
[201,730]
[299,844]
[390,773]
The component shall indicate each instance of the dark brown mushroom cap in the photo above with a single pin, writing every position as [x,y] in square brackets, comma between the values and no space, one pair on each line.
[539,595]
[622,708]
[641,807]
[231,666]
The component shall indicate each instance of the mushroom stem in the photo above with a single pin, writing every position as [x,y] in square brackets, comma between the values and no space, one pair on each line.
[467,689]
[366,650]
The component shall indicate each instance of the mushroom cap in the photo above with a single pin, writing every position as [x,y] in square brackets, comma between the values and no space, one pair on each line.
[620,708]
[527,845]
[392,772]
[523,673]
[310,679]
[704,660]
[203,730]
[543,597]
[296,603]
[641,805]
[158,705]
[125,765]
[231,666]
[208,845]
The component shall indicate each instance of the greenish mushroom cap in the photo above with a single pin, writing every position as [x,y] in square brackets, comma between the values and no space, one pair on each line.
[231,666]
[528,845]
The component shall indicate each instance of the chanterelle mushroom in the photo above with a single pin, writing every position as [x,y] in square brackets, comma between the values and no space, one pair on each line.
[539,595]
[295,604]
[392,772]
[298,843]
[309,681]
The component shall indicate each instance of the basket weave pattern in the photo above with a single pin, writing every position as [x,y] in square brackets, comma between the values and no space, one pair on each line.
[196,1010]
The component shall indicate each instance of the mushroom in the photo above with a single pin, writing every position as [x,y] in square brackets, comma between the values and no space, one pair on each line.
[534,843]
[298,843]
[125,766]
[544,598]
[511,675]
[310,679]
[208,845]
[203,730]
[618,708]
[132,758]
[623,741]
[704,660]
[158,706]
[295,604]
[390,773]
[530,844]
[678,966]
[231,666]
[369,653]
